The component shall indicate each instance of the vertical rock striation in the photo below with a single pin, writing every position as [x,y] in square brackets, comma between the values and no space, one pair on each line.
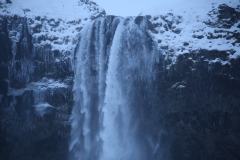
[36,95]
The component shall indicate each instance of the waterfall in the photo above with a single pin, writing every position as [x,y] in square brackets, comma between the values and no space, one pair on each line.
[114,56]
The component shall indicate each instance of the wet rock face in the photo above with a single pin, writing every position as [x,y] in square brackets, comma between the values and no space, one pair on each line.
[8,1]
[226,12]
[196,112]
[198,107]
[35,95]
[5,54]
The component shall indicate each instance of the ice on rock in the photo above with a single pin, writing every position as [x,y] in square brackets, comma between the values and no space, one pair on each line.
[42,108]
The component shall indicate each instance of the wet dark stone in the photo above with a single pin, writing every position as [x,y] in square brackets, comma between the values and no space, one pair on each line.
[177,31]
[238,26]
[9,1]
[139,19]
[198,36]
[24,106]
[26,134]
[226,12]
[4,87]
[227,17]
[24,46]
[201,120]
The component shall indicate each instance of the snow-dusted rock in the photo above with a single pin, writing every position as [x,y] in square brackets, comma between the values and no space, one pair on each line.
[201,26]
[56,24]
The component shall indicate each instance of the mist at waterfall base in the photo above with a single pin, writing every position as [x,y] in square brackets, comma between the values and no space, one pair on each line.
[113,88]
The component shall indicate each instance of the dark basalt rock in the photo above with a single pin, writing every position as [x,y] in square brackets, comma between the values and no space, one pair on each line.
[198,36]
[9,1]
[227,17]
[226,12]
[24,105]
[198,107]
[34,113]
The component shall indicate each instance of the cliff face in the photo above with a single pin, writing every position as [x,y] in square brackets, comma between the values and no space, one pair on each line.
[189,110]
[36,55]
[198,96]
[198,108]
[198,92]
[36,96]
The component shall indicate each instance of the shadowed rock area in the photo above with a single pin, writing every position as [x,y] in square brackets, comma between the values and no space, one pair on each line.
[198,104]
[35,95]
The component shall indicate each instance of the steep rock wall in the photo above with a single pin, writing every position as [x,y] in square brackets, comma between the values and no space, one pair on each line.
[36,95]
[197,108]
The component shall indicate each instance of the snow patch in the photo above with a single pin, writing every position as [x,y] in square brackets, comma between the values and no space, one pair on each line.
[39,86]
[181,87]
[42,108]
[53,9]
[220,61]
[55,22]
[187,8]
[45,84]
[180,28]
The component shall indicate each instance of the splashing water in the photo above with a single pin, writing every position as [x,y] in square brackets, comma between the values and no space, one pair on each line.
[113,55]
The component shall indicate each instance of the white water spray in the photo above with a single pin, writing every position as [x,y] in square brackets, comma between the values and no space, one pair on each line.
[112,55]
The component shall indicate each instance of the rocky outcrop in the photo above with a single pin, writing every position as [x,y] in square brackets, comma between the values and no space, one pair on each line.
[198,107]
[36,95]
[196,112]
[224,16]
[36,65]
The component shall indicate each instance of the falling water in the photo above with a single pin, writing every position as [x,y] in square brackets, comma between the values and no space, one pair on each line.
[112,56]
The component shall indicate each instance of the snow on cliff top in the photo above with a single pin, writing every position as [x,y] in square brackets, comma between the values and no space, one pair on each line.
[200,7]
[66,10]
[180,27]
[61,21]
[56,22]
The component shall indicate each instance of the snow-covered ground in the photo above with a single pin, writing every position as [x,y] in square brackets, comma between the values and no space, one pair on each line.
[41,86]
[180,27]
[58,21]
[66,10]
[188,7]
